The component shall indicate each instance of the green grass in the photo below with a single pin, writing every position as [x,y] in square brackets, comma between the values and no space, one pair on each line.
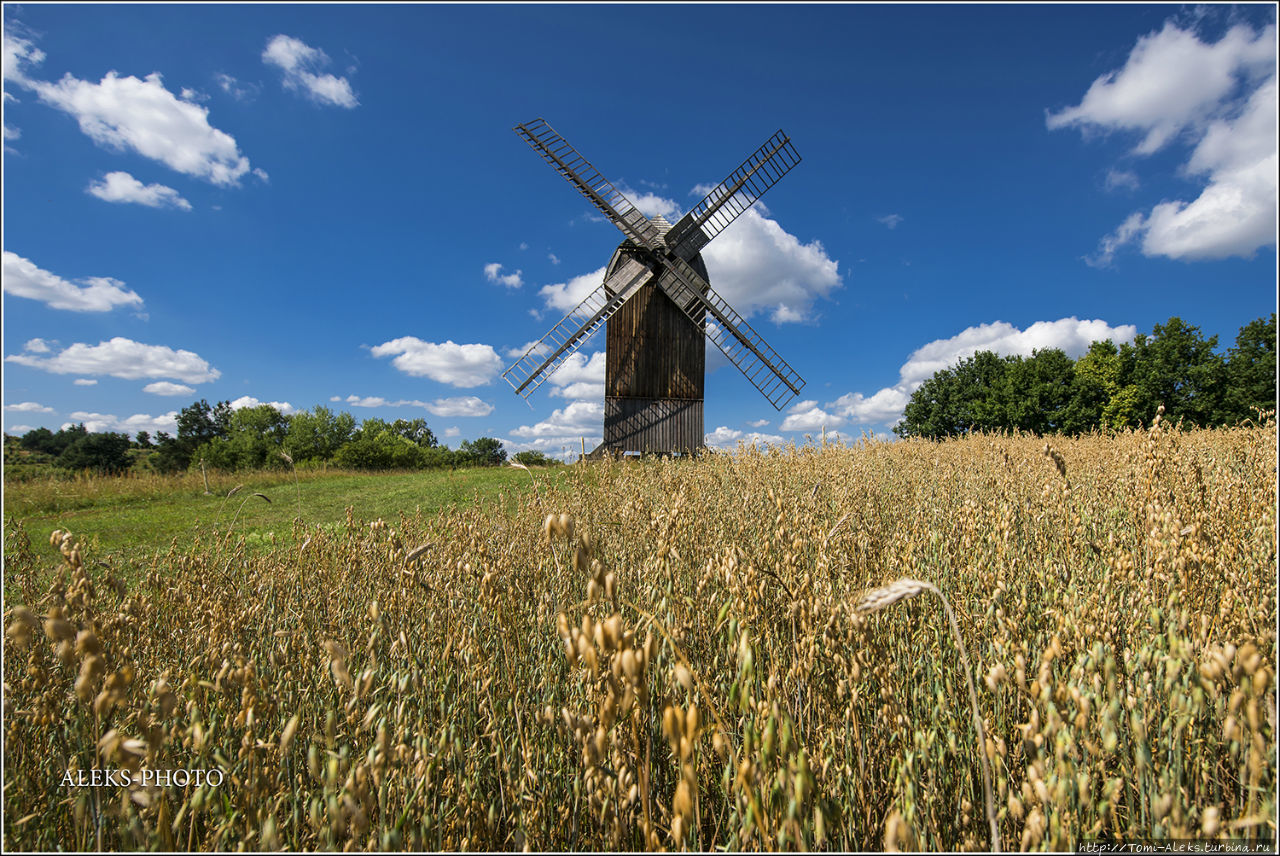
[128,519]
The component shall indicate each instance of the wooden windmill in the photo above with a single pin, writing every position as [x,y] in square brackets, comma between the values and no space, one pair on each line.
[658,307]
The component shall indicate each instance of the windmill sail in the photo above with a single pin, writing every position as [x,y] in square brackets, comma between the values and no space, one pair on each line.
[529,372]
[731,333]
[579,172]
[732,196]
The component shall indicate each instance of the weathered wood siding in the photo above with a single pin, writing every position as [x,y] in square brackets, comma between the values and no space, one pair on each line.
[655,363]
[662,425]
[652,349]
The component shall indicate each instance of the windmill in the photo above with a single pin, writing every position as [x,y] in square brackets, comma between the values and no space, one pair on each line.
[657,306]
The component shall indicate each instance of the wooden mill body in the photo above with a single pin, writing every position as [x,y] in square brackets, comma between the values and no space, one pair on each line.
[655,365]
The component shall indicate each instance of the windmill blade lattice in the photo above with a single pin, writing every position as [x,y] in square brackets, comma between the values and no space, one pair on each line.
[579,172]
[531,370]
[761,171]
[745,348]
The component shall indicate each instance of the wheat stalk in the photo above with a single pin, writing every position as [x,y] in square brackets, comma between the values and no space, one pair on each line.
[905,589]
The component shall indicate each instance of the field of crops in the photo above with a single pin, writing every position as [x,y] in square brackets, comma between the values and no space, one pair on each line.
[736,651]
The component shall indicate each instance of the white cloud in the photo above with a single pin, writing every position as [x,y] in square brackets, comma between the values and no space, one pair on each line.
[18,430]
[885,407]
[458,365]
[19,53]
[123,358]
[236,89]
[758,423]
[574,420]
[651,204]
[580,377]
[125,113]
[890,220]
[96,423]
[1221,97]
[1121,178]
[455,431]
[249,401]
[758,266]
[164,387]
[36,346]
[537,345]
[493,273]
[300,63]
[123,187]
[754,264]
[97,294]
[725,437]
[1124,234]
[28,407]
[555,260]
[461,406]
[566,295]
[1171,81]
[808,416]
[85,381]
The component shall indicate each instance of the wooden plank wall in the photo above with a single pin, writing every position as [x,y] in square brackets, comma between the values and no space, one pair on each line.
[647,425]
[652,349]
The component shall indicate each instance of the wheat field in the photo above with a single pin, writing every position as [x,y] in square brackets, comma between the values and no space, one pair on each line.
[996,640]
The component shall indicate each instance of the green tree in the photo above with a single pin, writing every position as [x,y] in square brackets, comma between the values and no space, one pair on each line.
[1250,372]
[533,458]
[143,440]
[970,397]
[253,440]
[317,435]
[1177,367]
[198,424]
[1038,391]
[1095,380]
[415,431]
[483,452]
[101,453]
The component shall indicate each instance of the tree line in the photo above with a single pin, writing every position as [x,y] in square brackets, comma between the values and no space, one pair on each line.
[1111,387]
[261,437]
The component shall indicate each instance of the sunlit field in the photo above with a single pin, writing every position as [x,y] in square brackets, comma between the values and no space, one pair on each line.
[737,651]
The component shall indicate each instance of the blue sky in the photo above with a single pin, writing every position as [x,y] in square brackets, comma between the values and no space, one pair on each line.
[326,205]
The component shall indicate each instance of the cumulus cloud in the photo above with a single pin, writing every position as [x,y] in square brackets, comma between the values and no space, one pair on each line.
[28,407]
[85,381]
[123,187]
[564,296]
[129,114]
[96,423]
[493,273]
[886,406]
[249,401]
[23,278]
[300,64]
[454,364]
[164,387]
[725,437]
[1219,96]
[123,358]
[580,376]
[574,420]
[467,405]
[651,205]
[890,220]
[754,264]
[36,346]
[758,266]
[808,416]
